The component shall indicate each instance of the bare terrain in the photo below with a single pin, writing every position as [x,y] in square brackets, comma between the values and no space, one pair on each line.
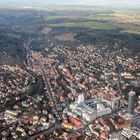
[46,30]
[65,37]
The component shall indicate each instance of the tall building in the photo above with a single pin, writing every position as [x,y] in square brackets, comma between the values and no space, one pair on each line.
[131,102]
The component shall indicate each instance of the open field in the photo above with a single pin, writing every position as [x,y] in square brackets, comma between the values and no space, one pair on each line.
[88,17]
[92,16]
[94,25]
[65,37]
[104,21]
[121,17]
[99,25]
[128,26]
[131,32]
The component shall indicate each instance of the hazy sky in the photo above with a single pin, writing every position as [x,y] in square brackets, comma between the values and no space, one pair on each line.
[96,1]
[87,2]
[104,2]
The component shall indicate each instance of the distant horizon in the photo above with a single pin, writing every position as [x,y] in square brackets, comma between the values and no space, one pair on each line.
[75,2]
[71,4]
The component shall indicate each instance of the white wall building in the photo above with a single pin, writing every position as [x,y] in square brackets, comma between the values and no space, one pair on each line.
[91,109]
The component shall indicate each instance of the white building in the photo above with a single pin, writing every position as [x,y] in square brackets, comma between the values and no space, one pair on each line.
[80,99]
[89,110]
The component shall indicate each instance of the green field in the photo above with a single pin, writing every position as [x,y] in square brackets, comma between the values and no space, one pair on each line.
[89,17]
[128,26]
[61,17]
[103,21]
[96,25]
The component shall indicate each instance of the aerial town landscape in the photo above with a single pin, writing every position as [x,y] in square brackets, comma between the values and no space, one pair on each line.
[69,72]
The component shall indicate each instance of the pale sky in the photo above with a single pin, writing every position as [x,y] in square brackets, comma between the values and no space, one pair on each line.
[87,2]
[105,2]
